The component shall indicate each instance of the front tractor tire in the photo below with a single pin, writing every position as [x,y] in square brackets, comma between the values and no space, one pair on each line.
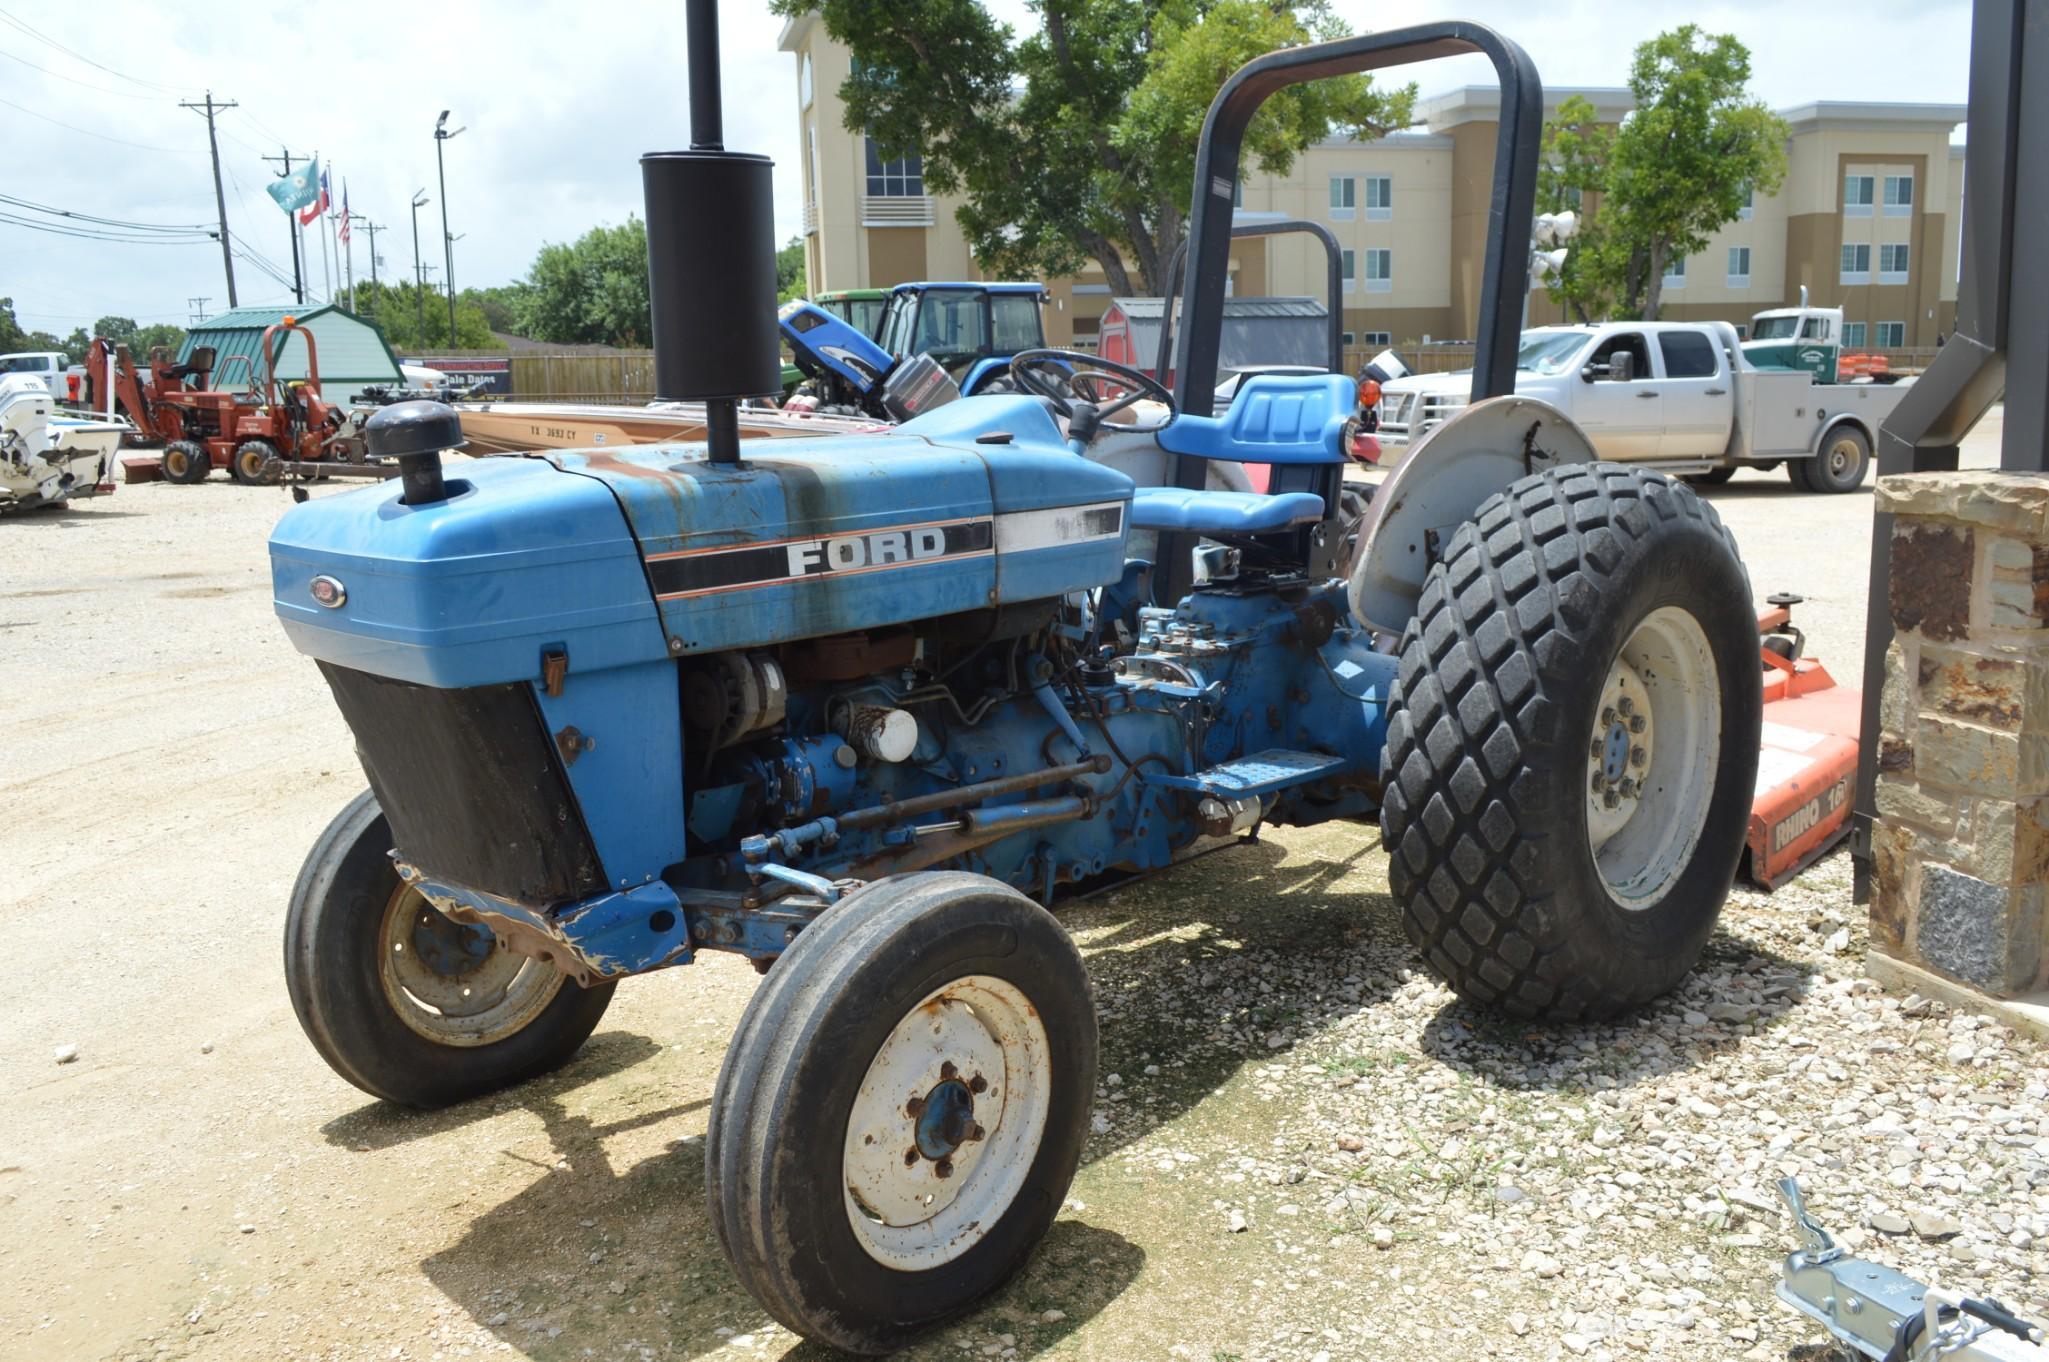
[902,1108]
[405,1003]
[185,462]
[1569,764]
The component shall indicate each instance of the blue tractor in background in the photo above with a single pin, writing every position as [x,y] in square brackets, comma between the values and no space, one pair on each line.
[934,342]
[860,709]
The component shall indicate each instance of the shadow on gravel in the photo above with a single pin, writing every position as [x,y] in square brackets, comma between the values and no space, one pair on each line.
[1773,486]
[63,517]
[382,1125]
[1738,990]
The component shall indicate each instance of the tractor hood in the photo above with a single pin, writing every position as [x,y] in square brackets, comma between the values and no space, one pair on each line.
[623,555]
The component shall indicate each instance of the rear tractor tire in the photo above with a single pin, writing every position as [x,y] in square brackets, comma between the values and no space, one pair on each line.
[902,1109]
[406,1003]
[1569,764]
[185,462]
[255,463]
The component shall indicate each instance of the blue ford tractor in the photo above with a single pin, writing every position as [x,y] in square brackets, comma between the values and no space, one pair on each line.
[859,709]
[934,342]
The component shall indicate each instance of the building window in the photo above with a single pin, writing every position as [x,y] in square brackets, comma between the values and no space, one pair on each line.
[1675,272]
[1853,335]
[1343,196]
[1856,265]
[1739,267]
[1348,267]
[1379,197]
[1375,338]
[1899,195]
[1892,264]
[804,81]
[1857,195]
[1348,340]
[903,178]
[1891,335]
[1749,206]
[1379,270]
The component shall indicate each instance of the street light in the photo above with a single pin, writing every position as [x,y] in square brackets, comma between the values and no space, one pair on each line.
[441,134]
[420,200]
[1549,229]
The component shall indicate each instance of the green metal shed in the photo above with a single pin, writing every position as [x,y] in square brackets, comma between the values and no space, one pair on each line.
[353,352]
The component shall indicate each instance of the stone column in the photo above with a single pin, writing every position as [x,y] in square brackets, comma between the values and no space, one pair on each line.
[1960,850]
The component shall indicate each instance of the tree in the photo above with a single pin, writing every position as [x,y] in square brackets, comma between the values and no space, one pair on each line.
[1569,177]
[592,291]
[792,275]
[140,340]
[1679,167]
[1079,141]
[399,309]
[500,304]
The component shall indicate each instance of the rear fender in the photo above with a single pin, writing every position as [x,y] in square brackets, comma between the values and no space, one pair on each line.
[1837,422]
[1439,485]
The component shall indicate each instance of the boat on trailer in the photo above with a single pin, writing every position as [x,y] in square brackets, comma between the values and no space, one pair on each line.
[49,456]
[517,427]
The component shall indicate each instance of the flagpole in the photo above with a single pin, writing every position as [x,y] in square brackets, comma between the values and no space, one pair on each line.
[349,245]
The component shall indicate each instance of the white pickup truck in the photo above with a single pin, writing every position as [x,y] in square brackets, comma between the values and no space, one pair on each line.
[46,366]
[1680,396]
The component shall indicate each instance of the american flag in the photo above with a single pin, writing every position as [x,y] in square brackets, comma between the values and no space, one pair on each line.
[343,234]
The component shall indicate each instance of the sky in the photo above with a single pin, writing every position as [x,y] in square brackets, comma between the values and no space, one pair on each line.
[558,101]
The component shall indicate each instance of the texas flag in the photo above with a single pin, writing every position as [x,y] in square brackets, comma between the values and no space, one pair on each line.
[310,214]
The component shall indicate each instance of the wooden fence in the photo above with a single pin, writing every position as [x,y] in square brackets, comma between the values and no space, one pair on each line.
[622,376]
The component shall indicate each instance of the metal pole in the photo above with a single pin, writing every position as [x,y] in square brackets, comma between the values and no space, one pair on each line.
[441,135]
[220,199]
[419,273]
[292,229]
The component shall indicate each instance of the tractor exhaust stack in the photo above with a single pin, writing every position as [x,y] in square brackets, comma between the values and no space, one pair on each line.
[711,258]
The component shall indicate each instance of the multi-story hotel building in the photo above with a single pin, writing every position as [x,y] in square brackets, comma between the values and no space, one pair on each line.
[1866,219]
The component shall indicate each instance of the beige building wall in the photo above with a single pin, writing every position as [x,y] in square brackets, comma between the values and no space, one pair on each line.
[1433,224]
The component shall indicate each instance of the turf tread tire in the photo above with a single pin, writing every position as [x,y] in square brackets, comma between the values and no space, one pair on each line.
[1473,802]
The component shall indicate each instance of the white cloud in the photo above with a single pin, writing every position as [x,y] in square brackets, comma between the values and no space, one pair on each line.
[559,101]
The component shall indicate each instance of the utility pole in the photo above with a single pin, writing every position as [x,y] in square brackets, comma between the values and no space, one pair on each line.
[441,135]
[420,200]
[373,229]
[198,306]
[292,229]
[220,199]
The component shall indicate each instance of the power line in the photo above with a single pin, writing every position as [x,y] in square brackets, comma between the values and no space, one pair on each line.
[98,234]
[88,132]
[15,23]
[100,89]
[88,218]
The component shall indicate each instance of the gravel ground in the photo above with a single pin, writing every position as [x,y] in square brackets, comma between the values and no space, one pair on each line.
[1306,1147]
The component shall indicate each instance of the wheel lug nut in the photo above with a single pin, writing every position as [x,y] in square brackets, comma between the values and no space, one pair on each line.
[1628,788]
[1626,705]
[976,1132]
[978,1084]
[1599,784]
[1636,723]
[944,1168]
[914,1108]
[1607,715]
[1609,799]
[1637,756]
[911,1157]
[947,1070]
[1599,750]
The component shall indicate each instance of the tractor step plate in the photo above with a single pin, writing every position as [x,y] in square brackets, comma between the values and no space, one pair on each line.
[1260,773]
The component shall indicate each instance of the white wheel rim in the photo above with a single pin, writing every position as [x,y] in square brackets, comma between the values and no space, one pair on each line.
[947,1123]
[449,997]
[1657,736]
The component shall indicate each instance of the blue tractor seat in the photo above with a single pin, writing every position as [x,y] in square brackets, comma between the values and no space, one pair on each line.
[1204,512]
[1274,419]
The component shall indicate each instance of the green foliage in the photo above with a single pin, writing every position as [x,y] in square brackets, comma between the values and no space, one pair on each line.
[1569,176]
[592,291]
[1675,171]
[140,340]
[500,305]
[13,337]
[1079,141]
[415,321]
[792,277]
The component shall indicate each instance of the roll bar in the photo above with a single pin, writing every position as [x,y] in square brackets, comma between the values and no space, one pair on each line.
[1504,277]
[1334,288]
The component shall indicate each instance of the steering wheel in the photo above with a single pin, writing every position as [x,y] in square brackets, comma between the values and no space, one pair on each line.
[1082,388]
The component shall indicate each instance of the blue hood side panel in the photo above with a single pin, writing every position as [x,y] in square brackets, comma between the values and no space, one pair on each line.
[471,590]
